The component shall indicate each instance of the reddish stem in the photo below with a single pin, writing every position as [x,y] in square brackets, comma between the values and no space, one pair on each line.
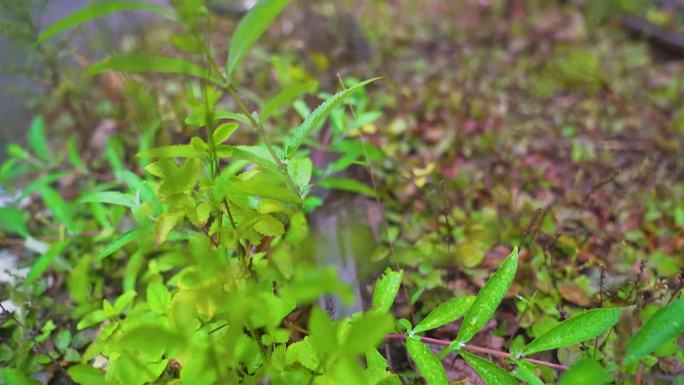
[479,349]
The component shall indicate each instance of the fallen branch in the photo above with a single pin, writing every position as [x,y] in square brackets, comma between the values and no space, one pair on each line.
[479,349]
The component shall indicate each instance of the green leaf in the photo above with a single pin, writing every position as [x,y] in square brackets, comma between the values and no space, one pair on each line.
[574,330]
[172,151]
[44,261]
[490,373]
[525,372]
[302,352]
[140,62]
[61,211]
[367,332]
[14,220]
[445,313]
[386,289]
[300,170]
[663,326]
[223,132]
[37,140]
[287,95]
[109,197]
[91,319]
[269,226]
[428,364]
[347,184]
[318,115]
[86,375]
[123,301]
[158,297]
[11,376]
[250,28]
[585,372]
[487,300]
[165,224]
[120,242]
[257,154]
[97,10]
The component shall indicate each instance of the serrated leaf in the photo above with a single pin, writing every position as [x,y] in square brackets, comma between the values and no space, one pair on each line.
[302,352]
[97,10]
[44,261]
[663,326]
[585,372]
[250,28]
[574,330]
[158,297]
[445,313]
[386,289]
[315,118]
[300,170]
[347,184]
[172,151]
[269,226]
[165,224]
[487,300]
[109,197]
[120,242]
[223,132]
[490,373]
[140,62]
[429,366]
[257,154]
[14,220]
[287,95]
[37,140]
[86,375]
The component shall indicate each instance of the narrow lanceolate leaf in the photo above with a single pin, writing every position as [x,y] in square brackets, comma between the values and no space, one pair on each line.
[574,330]
[386,289]
[140,62]
[347,184]
[250,28]
[525,372]
[172,151]
[428,364]
[120,242]
[37,139]
[284,97]
[97,10]
[317,116]
[445,313]
[490,373]
[109,197]
[44,261]
[489,298]
[663,326]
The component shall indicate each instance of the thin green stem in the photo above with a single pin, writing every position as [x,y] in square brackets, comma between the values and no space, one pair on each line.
[260,131]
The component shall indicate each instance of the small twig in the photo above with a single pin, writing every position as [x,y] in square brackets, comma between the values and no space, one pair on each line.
[479,349]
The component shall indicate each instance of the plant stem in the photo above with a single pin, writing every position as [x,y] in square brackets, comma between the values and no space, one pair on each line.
[479,349]
[260,131]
